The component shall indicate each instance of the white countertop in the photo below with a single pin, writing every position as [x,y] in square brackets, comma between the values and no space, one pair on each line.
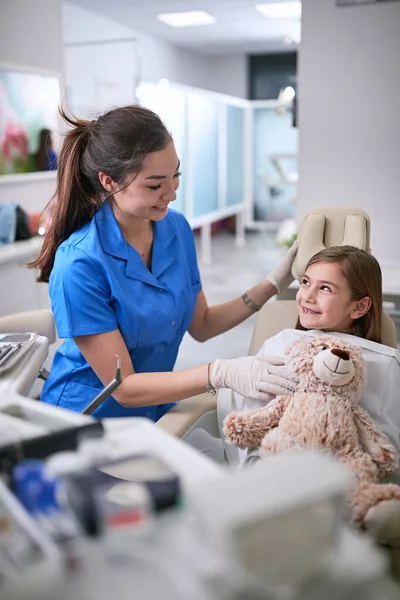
[24,249]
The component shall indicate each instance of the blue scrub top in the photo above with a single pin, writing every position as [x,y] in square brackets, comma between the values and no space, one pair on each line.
[99,283]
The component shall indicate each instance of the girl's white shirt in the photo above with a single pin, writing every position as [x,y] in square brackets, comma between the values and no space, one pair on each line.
[382,395]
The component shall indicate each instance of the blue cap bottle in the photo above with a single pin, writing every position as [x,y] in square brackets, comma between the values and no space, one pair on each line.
[27,479]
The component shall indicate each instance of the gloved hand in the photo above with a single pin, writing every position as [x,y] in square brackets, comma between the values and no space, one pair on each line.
[281,277]
[258,377]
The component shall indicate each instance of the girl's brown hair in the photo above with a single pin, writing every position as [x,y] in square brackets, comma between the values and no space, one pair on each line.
[116,144]
[364,276]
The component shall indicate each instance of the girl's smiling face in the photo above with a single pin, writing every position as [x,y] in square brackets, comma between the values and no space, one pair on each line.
[324,300]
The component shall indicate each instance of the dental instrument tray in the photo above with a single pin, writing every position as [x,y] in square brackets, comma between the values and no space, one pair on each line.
[14,347]
[43,446]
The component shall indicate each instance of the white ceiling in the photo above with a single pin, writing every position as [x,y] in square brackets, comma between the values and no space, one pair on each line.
[239,27]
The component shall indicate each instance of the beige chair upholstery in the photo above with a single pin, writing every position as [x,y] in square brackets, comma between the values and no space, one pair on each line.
[184,415]
[36,321]
[330,226]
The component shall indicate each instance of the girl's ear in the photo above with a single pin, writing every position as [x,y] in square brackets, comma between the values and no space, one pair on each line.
[361,307]
[106,182]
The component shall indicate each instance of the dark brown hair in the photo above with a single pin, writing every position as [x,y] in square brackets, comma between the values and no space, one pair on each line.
[116,144]
[363,274]
[45,147]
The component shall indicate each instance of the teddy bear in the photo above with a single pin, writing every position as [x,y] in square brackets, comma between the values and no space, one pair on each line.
[324,415]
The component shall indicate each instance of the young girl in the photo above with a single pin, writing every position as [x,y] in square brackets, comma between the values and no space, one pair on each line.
[341,292]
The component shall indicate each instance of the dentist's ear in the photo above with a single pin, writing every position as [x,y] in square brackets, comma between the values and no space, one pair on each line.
[106,182]
[361,307]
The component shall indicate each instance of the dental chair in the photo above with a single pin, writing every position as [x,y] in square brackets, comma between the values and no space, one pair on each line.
[321,227]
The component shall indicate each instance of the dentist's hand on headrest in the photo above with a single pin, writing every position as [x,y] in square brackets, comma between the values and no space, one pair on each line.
[258,377]
[281,277]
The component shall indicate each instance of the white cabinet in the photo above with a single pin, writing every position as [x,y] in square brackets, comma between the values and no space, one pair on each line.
[19,288]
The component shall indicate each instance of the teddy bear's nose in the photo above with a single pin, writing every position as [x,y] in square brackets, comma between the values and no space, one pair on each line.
[341,353]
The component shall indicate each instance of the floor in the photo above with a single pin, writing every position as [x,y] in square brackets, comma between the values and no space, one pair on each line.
[233,271]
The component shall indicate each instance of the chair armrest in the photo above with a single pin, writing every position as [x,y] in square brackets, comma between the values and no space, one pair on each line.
[185,413]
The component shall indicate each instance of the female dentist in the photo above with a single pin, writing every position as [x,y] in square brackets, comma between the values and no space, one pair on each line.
[124,277]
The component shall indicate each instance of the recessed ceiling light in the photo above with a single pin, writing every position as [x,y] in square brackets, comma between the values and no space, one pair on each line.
[190,18]
[280,10]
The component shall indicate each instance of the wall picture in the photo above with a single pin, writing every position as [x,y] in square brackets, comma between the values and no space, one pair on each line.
[28,121]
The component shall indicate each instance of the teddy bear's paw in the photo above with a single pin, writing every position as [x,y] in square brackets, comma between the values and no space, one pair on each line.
[233,423]
[382,522]
[238,431]
[233,428]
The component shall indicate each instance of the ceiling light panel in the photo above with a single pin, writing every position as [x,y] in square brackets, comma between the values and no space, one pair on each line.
[192,18]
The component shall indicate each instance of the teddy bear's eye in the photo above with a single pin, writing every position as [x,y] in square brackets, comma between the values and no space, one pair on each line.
[323,347]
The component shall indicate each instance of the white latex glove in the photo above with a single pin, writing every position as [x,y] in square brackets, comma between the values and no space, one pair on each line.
[281,277]
[258,377]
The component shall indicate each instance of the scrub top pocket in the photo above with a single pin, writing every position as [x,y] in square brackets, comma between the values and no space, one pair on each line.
[77,396]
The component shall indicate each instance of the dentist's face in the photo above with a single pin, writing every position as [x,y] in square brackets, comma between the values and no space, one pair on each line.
[149,194]
[324,299]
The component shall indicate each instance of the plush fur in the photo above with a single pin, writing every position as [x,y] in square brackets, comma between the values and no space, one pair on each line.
[324,414]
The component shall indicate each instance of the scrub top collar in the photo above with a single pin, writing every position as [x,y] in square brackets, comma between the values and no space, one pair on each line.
[114,243]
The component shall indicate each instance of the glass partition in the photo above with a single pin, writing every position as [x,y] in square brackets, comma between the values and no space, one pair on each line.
[275,173]
[202,123]
[208,131]
[234,155]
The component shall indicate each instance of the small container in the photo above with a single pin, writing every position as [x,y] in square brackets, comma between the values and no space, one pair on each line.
[123,492]
[27,479]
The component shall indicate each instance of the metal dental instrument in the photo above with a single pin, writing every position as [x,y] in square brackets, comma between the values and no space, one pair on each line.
[108,390]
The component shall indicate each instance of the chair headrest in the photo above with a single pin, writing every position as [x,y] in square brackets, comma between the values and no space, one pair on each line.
[324,227]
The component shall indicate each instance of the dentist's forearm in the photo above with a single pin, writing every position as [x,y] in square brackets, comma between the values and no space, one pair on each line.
[149,389]
[223,317]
